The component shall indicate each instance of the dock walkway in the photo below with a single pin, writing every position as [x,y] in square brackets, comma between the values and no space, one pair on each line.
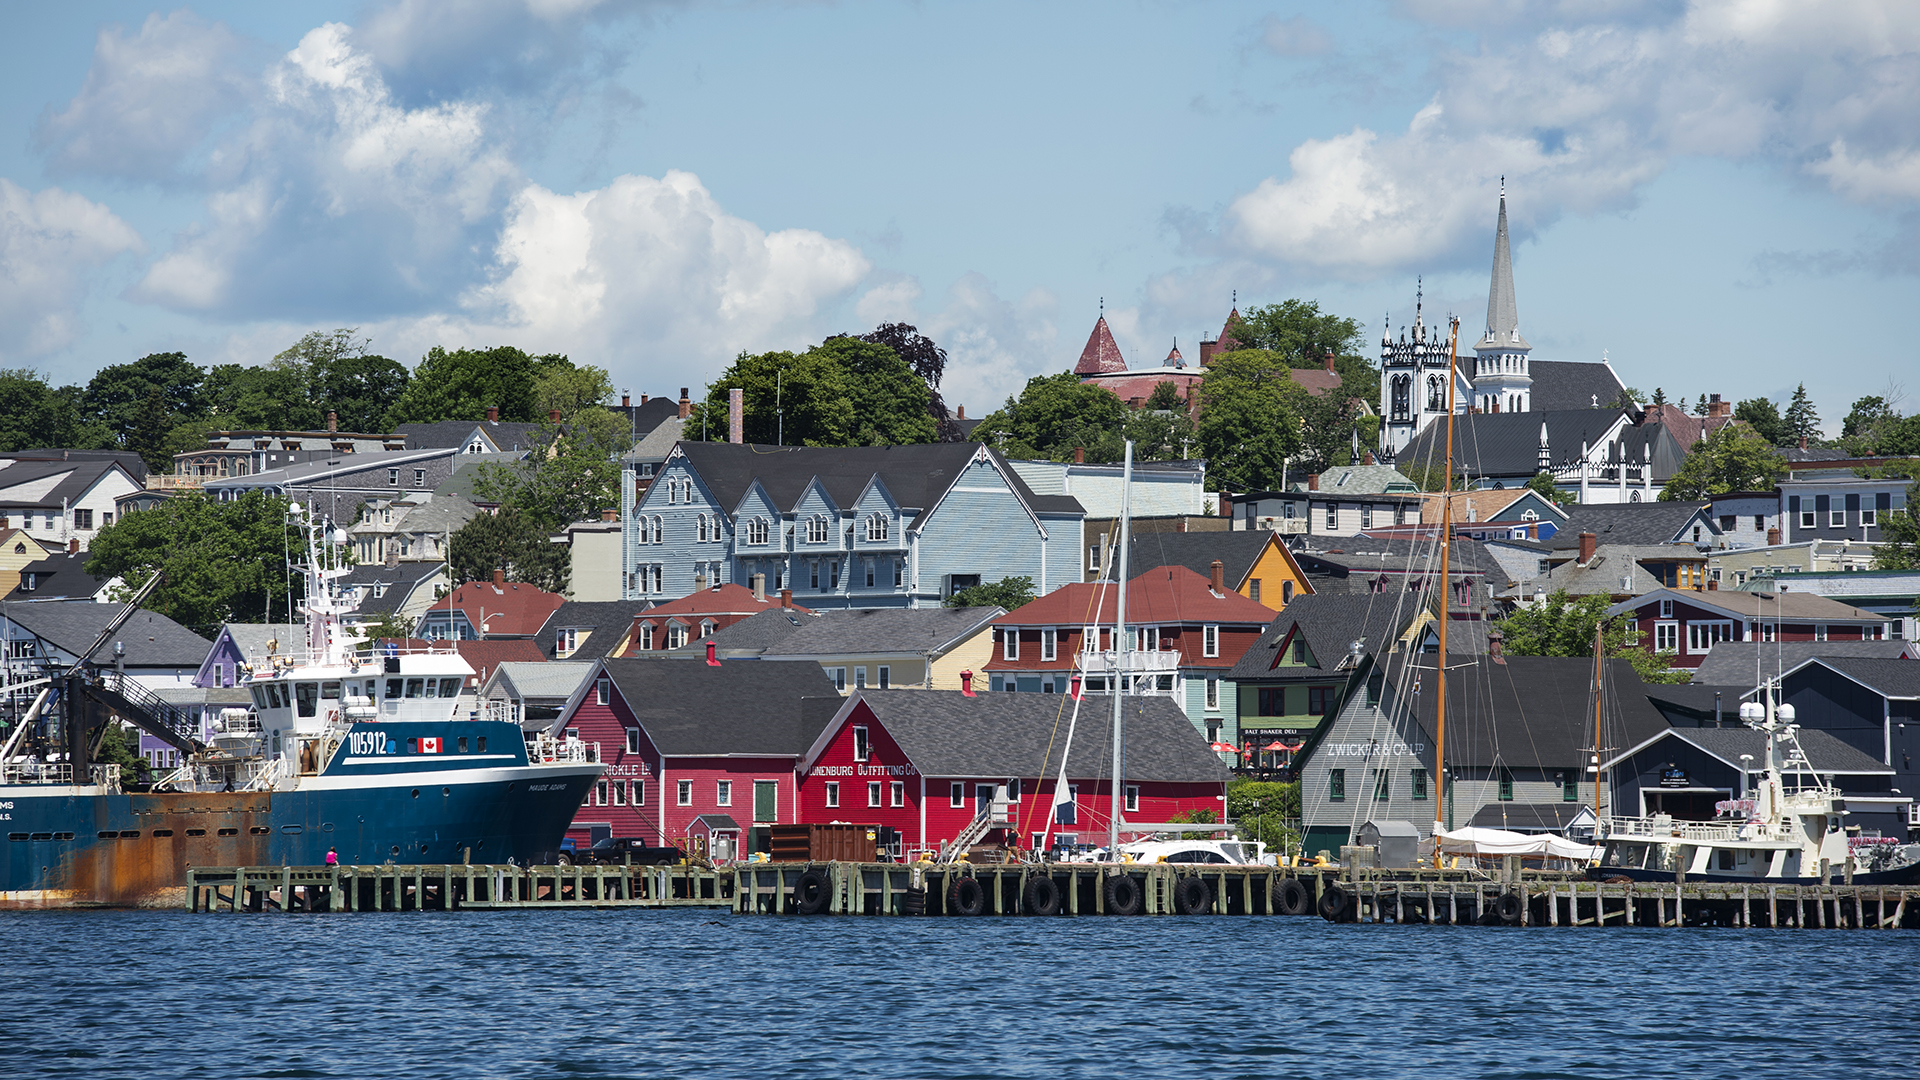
[453,886]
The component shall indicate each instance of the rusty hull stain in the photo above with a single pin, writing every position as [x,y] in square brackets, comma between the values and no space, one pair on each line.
[130,871]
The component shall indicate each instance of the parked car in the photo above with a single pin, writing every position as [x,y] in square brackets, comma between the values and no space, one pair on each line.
[614,850]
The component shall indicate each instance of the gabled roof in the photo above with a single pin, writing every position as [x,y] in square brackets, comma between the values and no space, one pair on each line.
[1165,594]
[917,475]
[1531,711]
[513,609]
[323,468]
[946,733]
[1734,663]
[1560,385]
[1239,552]
[1614,570]
[751,637]
[506,436]
[740,709]
[655,444]
[484,656]
[70,480]
[1650,522]
[1343,480]
[1888,677]
[385,588]
[1766,607]
[1508,444]
[1685,427]
[60,576]
[1485,504]
[1102,353]
[923,631]
[1825,753]
[548,681]
[151,639]
[1364,556]
[251,639]
[607,623]
[723,599]
[1331,622]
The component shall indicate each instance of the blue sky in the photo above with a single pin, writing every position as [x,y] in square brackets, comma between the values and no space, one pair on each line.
[1720,197]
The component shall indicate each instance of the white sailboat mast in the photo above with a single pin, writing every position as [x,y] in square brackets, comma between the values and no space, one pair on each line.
[1122,652]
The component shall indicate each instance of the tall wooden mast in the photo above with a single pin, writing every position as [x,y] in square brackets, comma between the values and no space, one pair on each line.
[1446,542]
[1599,690]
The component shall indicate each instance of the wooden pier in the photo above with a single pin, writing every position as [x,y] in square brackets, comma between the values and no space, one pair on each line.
[1511,897]
[453,887]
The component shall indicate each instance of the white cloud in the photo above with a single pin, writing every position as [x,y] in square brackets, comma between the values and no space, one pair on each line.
[650,273]
[895,301]
[151,100]
[994,344]
[47,239]
[1579,104]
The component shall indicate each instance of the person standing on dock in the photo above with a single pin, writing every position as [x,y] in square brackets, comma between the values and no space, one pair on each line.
[333,857]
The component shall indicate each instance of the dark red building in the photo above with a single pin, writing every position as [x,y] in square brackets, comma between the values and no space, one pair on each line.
[1689,623]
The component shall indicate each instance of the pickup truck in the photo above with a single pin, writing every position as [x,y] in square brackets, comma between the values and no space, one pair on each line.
[614,850]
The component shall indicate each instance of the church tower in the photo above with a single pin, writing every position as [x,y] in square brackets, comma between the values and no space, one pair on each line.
[1501,382]
[1413,380]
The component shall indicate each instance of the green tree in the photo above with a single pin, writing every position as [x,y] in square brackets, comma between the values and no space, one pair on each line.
[356,385]
[571,472]
[1700,407]
[120,398]
[1763,417]
[1899,547]
[273,397]
[1250,420]
[1302,335]
[388,625]
[1165,397]
[1563,626]
[1730,459]
[1159,434]
[510,542]
[224,561]
[120,746]
[928,360]
[1659,396]
[843,392]
[1544,485]
[1266,811]
[1053,415]
[1801,421]
[1008,593]
[463,384]
[34,414]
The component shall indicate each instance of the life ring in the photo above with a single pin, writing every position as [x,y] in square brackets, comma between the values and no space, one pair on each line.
[1334,903]
[1290,897]
[811,892]
[1042,895]
[1123,895]
[1193,896]
[1509,907]
[966,896]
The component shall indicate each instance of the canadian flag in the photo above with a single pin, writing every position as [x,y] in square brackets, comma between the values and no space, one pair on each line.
[430,746]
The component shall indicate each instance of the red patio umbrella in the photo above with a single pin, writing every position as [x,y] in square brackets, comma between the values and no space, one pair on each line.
[1275,745]
[1224,747]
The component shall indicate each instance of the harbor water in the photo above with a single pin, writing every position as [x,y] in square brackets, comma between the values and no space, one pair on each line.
[690,993]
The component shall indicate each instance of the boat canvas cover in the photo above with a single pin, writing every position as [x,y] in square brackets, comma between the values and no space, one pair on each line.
[1495,842]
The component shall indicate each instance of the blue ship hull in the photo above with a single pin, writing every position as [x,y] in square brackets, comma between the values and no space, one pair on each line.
[74,846]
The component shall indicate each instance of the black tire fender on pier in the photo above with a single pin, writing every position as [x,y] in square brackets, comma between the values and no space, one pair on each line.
[1334,903]
[1124,895]
[966,896]
[1042,895]
[1290,897]
[811,892]
[1193,896]
[1509,907]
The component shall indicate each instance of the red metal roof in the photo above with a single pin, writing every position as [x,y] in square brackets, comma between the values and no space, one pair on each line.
[1167,594]
[511,609]
[1102,353]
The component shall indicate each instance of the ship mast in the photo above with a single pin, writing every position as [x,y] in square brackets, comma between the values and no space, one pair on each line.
[1599,690]
[1122,654]
[1446,538]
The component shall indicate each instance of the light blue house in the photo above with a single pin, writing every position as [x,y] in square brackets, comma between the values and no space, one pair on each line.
[857,527]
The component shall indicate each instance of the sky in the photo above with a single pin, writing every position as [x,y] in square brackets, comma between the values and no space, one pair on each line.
[1720,196]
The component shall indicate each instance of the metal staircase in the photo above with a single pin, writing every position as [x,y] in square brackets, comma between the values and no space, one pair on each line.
[178,727]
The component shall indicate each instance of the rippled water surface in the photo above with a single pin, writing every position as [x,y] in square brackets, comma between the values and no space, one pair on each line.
[706,994]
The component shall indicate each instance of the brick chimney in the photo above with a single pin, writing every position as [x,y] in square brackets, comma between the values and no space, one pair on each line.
[1079,455]
[966,682]
[962,414]
[1313,481]
[493,414]
[1329,359]
[760,588]
[736,415]
[1773,536]
[1712,585]
[1367,459]
[499,578]
[700,581]
[1716,407]
[626,400]
[786,598]
[609,514]
[553,416]
[1803,442]
[1588,542]
[1225,503]
[643,399]
[1497,647]
[333,421]
[73,546]
[1218,574]
[686,404]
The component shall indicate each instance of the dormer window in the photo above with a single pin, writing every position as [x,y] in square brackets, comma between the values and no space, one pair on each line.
[817,529]
[876,528]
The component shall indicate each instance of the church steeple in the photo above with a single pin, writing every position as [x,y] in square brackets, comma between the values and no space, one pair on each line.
[1503,312]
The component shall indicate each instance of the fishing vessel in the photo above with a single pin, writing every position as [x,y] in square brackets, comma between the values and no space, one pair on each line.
[1773,833]
[343,749]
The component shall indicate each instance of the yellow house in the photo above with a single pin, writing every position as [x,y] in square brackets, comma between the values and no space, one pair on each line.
[17,549]
[1253,562]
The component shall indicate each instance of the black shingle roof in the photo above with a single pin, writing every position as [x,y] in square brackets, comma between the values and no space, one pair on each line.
[739,708]
[1531,711]
[1331,622]
[1892,678]
[1825,753]
[151,639]
[1356,556]
[1508,444]
[1692,704]
[916,475]
[60,576]
[1237,552]
[384,589]
[508,436]
[1641,523]
[1735,663]
[1572,384]
[607,621]
[946,733]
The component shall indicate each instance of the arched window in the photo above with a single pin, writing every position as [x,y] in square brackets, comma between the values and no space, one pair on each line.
[757,531]
[876,528]
[817,529]
[659,530]
[700,528]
